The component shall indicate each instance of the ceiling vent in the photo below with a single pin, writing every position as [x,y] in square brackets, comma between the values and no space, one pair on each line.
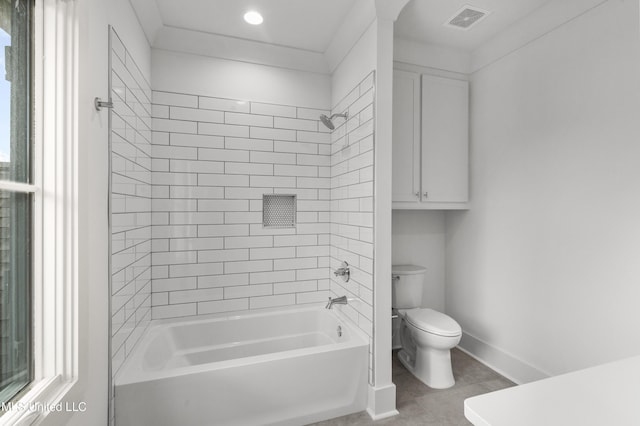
[466,17]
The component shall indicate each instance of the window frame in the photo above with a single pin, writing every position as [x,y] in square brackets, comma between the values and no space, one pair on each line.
[55,225]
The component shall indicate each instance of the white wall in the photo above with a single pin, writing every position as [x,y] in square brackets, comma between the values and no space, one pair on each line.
[419,239]
[94,17]
[222,78]
[358,63]
[544,266]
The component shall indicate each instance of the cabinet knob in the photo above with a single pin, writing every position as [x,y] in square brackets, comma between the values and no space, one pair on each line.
[426,195]
[417,195]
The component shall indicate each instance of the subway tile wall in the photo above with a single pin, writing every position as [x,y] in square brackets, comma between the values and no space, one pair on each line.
[213,159]
[352,157]
[130,202]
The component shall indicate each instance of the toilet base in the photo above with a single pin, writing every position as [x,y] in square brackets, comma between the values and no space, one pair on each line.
[431,367]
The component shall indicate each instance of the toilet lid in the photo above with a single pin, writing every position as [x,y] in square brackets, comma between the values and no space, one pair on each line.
[433,322]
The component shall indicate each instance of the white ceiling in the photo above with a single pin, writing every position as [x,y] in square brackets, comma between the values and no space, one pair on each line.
[302,24]
[422,21]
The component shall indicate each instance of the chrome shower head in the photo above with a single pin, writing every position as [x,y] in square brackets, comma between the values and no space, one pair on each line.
[328,121]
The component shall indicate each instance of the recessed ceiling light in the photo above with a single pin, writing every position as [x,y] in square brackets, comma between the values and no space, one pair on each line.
[252,17]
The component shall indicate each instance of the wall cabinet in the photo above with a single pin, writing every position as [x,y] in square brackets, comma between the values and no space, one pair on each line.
[430,142]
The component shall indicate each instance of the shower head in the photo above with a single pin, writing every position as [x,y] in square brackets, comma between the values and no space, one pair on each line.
[328,121]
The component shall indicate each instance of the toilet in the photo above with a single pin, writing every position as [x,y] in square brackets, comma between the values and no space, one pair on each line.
[426,335]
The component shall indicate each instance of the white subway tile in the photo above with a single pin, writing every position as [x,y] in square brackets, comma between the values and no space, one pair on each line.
[223,180]
[174,257]
[227,255]
[159,111]
[248,119]
[268,133]
[295,287]
[258,229]
[222,230]
[248,242]
[272,157]
[310,182]
[272,109]
[196,141]
[248,266]
[224,104]
[290,170]
[247,291]
[308,251]
[249,169]
[212,243]
[272,253]
[295,240]
[312,297]
[173,311]
[223,155]
[295,263]
[195,270]
[296,147]
[196,218]
[311,113]
[242,217]
[271,277]
[248,144]
[227,280]
[160,165]
[173,284]
[295,124]
[197,166]
[315,137]
[179,205]
[314,160]
[253,194]
[157,138]
[196,192]
[192,114]
[198,295]
[177,99]
[272,181]
[223,130]
[175,152]
[215,307]
[223,205]
[158,299]
[271,301]
[312,274]
[174,126]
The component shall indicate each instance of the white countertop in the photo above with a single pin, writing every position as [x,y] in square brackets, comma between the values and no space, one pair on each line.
[604,395]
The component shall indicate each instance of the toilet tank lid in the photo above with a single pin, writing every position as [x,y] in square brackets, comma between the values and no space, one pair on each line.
[407,269]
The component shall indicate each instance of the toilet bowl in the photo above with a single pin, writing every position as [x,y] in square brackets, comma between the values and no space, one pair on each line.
[426,335]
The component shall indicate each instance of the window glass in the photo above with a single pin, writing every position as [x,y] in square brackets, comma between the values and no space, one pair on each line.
[15,206]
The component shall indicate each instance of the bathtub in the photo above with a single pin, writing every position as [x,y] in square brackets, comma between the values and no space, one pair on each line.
[288,367]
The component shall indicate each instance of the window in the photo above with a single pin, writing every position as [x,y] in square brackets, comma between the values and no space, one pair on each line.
[17,194]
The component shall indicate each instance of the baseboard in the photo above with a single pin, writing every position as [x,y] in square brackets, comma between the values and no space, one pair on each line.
[500,361]
[382,402]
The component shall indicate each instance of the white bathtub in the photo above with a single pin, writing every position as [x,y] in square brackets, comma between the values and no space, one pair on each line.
[290,367]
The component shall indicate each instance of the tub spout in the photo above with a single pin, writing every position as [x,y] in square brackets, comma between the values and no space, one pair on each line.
[342,300]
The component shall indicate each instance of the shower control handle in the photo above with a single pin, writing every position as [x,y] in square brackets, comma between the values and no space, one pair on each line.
[343,272]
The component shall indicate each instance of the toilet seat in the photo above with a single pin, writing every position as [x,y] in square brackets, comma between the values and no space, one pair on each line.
[433,322]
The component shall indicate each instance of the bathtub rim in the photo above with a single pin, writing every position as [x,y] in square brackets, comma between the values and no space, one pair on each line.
[128,374]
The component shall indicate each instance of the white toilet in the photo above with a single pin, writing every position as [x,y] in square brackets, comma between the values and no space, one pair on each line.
[426,335]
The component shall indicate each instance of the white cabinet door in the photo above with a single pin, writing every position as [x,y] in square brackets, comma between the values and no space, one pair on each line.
[406,137]
[445,140]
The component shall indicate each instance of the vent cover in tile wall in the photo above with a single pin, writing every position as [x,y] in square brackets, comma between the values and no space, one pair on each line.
[278,211]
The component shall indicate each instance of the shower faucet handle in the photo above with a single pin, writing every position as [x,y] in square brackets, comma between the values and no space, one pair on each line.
[343,272]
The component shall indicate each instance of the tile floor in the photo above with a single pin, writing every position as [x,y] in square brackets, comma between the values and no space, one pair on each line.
[421,405]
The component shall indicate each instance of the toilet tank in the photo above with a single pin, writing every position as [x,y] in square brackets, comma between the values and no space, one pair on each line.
[406,286]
